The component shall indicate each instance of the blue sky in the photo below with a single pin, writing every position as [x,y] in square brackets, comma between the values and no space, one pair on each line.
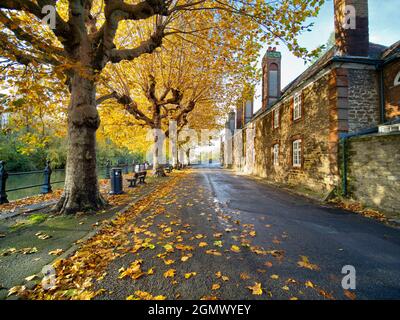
[384,16]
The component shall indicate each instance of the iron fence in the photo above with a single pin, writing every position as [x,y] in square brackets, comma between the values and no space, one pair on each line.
[46,185]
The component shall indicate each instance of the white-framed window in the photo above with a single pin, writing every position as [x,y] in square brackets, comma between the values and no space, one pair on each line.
[276,118]
[297,153]
[275,154]
[397,80]
[297,106]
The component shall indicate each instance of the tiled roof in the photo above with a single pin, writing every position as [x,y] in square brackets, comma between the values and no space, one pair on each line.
[393,50]
[376,52]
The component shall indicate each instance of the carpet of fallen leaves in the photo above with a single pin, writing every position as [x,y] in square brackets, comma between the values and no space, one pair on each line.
[56,194]
[171,243]
[359,209]
[75,274]
[13,205]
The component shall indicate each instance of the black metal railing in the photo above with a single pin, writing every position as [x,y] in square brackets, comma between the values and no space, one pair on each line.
[46,186]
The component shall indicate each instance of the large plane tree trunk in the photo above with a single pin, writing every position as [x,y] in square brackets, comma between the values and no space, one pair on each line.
[81,190]
[158,169]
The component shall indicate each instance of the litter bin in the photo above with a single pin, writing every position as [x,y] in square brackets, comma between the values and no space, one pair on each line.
[116,181]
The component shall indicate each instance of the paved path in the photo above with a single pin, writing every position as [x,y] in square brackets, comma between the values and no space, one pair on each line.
[274,231]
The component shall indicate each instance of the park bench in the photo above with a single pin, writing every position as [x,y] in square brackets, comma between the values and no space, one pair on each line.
[168,168]
[137,177]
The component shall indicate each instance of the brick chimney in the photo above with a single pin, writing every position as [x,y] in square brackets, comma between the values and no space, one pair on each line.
[230,123]
[239,115]
[271,81]
[248,110]
[351,28]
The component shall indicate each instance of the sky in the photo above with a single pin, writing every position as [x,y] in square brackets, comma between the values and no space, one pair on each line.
[384,17]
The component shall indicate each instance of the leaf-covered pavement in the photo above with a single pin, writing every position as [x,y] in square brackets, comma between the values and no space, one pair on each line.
[183,243]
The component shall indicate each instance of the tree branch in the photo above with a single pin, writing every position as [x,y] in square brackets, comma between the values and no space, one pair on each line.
[62,30]
[147,46]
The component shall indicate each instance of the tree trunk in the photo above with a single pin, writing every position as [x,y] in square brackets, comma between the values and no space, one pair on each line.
[188,156]
[158,141]
[81,190]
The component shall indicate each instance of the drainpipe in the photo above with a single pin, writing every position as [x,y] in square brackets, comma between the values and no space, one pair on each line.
[344,159]
[382,95]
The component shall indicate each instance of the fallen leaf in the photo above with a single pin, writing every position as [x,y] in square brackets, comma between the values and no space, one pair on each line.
[286,288]
[220,276]
[309,284]
[203,244]
[150,271]
[350,295]
[326,294]
[30,278]
[186,258]
[28,250]
[209,298]
[274,277]
[256,289]
[218,243]
[16,290]
[142,295]
[190,274]
[56,252]
[235,249]
[134,271]
[170,273]
[215,286]
[305,263]
[169,248]
[42,236]
[244,276]
[169,261]
[214,252]
[268,264]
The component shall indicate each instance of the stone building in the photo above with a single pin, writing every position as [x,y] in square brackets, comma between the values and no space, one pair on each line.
[352,89]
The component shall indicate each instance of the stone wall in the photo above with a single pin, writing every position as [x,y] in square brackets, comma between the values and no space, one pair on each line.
[363,94]
[374,171]
[319,170]
[338,100]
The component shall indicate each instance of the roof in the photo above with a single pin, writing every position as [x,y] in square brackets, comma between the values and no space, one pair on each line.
[392,51]
[376,52]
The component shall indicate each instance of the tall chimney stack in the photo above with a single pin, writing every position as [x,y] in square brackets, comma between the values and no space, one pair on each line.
[271,81]
[351,28]
[239,115]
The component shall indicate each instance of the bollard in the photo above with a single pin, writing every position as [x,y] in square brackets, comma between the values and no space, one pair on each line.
[3,179]
[46,188]
[116,181]
[126,167]
[108,168]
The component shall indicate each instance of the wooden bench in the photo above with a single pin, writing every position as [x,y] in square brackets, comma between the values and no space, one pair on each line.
[138,176]
[168,168]
[142,177]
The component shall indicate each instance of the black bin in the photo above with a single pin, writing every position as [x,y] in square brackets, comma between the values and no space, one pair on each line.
[116,181]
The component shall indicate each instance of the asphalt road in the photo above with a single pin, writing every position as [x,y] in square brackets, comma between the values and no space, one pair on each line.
[272,231]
